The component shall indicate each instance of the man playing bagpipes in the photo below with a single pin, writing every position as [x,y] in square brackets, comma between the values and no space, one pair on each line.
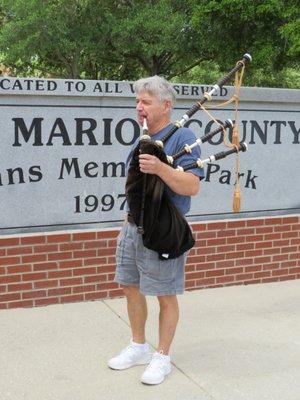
[164,170]
[152,248]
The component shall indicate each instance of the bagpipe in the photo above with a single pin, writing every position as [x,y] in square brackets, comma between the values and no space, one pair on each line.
[162,226]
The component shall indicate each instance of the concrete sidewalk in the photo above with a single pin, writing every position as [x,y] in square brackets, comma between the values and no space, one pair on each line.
[234,343]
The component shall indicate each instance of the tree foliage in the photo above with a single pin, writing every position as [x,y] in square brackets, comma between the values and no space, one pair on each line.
[259,27]
[52,35]
[124,39]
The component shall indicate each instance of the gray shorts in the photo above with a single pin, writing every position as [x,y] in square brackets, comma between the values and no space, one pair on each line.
[137,265]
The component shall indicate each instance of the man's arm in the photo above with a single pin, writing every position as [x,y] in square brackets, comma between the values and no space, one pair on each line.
[183,183]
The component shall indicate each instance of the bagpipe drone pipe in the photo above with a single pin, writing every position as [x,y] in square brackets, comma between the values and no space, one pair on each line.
[162,226]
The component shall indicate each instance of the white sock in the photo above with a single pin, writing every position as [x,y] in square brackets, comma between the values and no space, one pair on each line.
[166,357]
[141,346]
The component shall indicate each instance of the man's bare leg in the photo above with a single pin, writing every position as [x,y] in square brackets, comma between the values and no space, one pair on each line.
[138,352]
[137,312]
[168,319]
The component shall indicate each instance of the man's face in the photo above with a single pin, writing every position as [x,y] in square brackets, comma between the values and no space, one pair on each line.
[154,110]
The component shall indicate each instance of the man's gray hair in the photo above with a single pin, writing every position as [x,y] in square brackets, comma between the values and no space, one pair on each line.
[156,86]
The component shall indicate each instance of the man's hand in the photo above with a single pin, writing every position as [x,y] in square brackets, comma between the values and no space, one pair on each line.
[150,164]
[180,182]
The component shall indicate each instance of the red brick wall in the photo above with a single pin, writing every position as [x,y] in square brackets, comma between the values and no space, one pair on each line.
[51,268]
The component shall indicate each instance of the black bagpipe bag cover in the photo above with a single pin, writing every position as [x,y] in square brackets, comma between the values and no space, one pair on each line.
[166,230]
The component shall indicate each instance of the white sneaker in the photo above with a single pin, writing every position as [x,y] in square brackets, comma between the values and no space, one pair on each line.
[131,356]
[159,367]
